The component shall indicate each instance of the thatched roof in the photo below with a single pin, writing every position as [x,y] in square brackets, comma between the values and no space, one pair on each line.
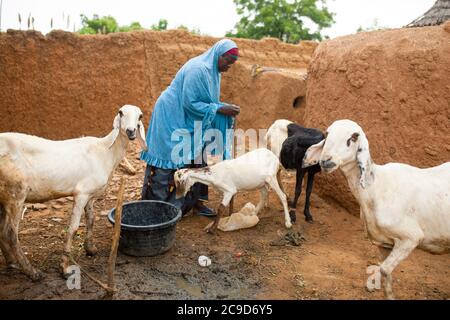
[438,14]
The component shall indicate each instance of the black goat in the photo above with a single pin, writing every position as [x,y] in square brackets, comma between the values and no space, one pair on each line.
[291,156]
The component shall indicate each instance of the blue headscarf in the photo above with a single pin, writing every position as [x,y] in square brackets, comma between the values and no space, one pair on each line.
[193,96]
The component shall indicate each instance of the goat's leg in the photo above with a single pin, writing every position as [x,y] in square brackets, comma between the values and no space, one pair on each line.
[400,252]
[18,217]
[383,254]
[280,183]
[10,259]
[89,247]
[11,244]
[78,209]
[264,192]
[298,190]
[272,181]
[225,201]
[309,187]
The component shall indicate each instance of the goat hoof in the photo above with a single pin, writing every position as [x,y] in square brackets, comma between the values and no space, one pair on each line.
[309,219]
[66,274]
[210,230]
[390,296]
[91,251]
[65,267]
[293,215]
[12,266]
[36,276]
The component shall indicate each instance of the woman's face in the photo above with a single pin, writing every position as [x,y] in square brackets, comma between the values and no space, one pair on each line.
[225,62]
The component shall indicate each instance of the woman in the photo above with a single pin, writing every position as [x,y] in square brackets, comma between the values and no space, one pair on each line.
[192,98]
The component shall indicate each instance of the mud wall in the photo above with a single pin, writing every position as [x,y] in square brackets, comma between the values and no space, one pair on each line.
[65,85]
[396,85]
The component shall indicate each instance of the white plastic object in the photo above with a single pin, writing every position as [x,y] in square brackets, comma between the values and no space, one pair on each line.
[204,261]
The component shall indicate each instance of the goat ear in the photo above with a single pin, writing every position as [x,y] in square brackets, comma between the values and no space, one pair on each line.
[364,161]
[116,123]
[312,155]
[141,136]
[116,127]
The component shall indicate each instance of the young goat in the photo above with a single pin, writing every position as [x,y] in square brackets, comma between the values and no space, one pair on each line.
[254,170]
[403,207]
[289,141]
[33,169]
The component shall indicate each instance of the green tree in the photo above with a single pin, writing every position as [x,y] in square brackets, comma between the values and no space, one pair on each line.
[193,31]
[103,25]
[132,27]
[162,25]
[282,19]
[108,24]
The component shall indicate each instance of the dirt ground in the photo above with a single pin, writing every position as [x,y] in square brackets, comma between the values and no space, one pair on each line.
[330,264]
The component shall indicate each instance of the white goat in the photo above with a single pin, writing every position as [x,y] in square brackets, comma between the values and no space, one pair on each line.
[33,169]
[276,135]
[254,170]
[403,207]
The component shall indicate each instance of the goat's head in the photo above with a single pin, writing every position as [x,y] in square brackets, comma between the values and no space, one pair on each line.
[182,182]
[345,143]
[128,121]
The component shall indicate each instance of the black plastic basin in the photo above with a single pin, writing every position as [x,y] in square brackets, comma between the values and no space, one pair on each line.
[148,227]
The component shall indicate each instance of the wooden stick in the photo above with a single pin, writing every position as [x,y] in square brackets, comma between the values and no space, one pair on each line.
[110,287]
[116,237]
[101,284]
[127,166]
[231,205]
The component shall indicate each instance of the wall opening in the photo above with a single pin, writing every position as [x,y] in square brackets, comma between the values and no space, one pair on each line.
[299,105]
[299,102]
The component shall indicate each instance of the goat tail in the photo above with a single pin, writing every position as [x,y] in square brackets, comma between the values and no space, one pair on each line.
[269,132]
[266,136]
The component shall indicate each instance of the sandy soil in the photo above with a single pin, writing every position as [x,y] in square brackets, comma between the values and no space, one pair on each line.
[330,264]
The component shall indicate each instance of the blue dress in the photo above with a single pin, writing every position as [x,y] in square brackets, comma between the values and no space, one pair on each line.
[191,101]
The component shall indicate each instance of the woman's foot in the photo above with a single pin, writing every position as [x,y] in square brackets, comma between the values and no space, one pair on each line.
[203,210]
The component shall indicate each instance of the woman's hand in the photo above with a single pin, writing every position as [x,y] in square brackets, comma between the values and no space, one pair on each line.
[229,110]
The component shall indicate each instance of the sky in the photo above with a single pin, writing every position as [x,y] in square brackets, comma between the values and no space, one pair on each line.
[212,17]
